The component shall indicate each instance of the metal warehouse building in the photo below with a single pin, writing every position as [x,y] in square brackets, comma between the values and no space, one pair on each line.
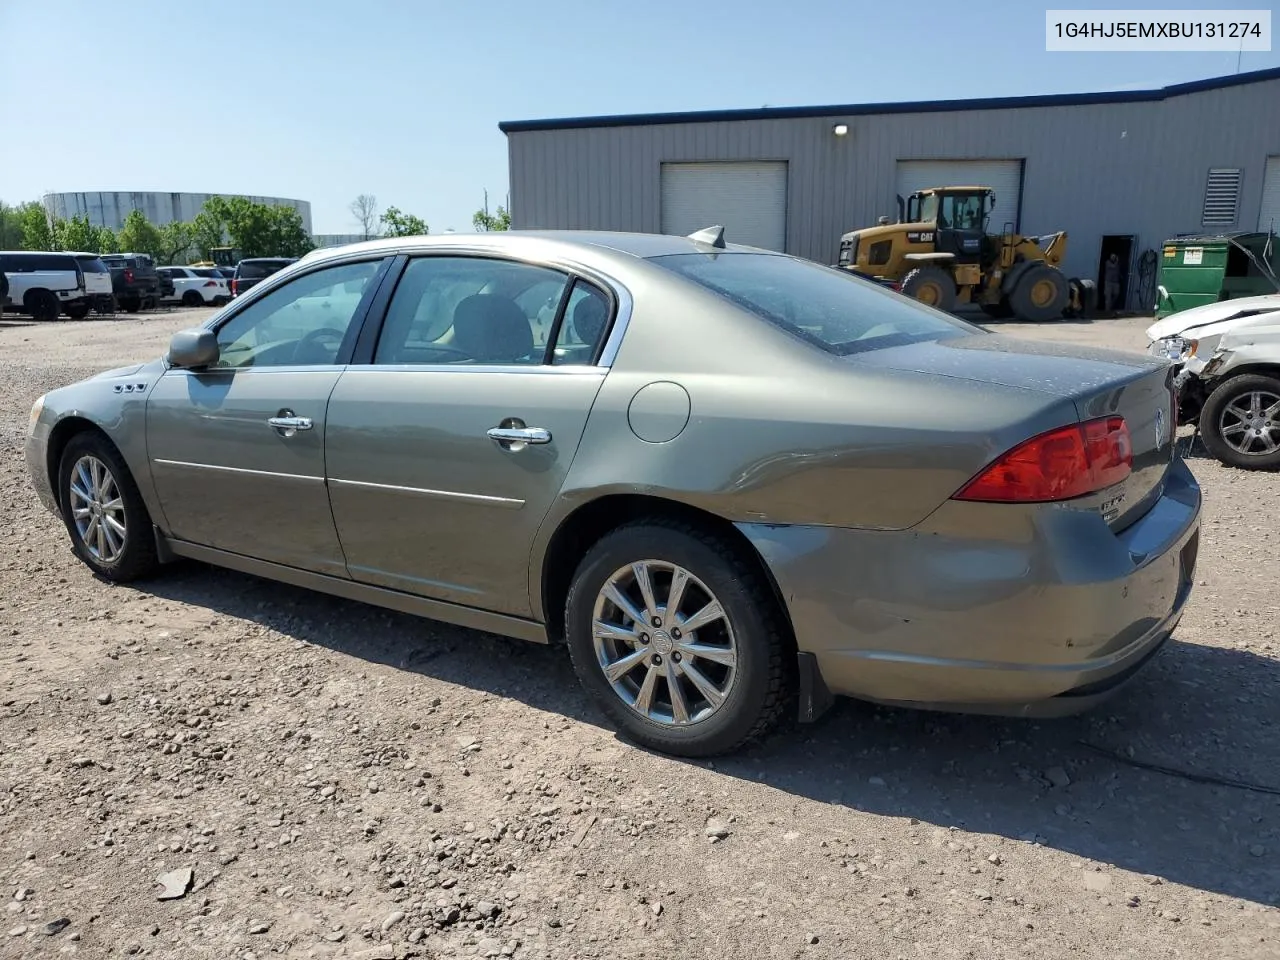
[1117,171]
[108,209]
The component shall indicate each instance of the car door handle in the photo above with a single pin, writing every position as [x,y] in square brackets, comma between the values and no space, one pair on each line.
[505,435]
[290,424]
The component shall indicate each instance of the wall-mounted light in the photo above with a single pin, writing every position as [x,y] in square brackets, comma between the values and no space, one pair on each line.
[840,129]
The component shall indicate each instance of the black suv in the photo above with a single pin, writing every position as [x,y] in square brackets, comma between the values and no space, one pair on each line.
[254,271]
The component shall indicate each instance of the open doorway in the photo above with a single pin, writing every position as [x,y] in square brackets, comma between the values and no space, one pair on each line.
[1111,301]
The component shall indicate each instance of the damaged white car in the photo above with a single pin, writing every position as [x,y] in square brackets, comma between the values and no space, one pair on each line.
[1228,380]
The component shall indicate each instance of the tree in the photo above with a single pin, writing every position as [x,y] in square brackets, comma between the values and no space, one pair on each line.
[10,227]
[175,241]
[37,231]
[140,235]
[76,234]
[106,241]
[209,228]
[289,237]
[365,209]
[484,221]
[400,224]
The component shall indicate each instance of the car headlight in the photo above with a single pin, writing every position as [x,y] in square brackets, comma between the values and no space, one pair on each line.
[1176,349]
[36,409]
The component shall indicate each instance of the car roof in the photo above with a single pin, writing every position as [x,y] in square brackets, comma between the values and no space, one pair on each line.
[638,245]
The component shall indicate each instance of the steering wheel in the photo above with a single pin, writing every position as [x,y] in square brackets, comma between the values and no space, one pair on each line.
[315,336]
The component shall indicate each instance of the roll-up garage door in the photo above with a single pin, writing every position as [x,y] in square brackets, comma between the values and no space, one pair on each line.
[1004,177]
[1269,215]
[749,198]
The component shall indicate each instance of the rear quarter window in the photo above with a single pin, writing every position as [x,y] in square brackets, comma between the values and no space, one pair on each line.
[92,265]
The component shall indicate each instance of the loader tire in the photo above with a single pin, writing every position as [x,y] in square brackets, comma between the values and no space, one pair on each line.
[1041,294]
[932,286]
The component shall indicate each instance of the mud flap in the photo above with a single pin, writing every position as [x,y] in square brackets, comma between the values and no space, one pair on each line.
[815,698]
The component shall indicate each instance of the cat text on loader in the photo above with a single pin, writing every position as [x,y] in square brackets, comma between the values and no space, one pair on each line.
[943,256]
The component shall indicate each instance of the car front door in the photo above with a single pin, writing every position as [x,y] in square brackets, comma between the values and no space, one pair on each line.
[446,449]
[237,448]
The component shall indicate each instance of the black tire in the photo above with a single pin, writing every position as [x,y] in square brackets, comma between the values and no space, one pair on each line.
[998,311]
[1217,416]
[131,304]
[931,285]
[4,287]
[77,311]
[1041,294]
[137,554]
[41,304]
[763,683]
[192,298]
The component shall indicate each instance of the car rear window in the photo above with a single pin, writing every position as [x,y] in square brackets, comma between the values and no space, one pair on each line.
[257,269]
[828,307]
[92,265]
[205,272]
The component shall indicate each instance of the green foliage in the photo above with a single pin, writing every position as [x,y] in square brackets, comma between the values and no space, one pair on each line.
[140,235]
[484,221]
[37,232]
[76,234]
[398,224]
[10,227]
[255,229]
[106,241]
[175,242]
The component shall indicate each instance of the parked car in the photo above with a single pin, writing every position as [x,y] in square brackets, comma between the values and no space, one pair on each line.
[45,284]
[731,481]
[97,284]
[254,271]
[1228,360]
[196,286]
[134,280]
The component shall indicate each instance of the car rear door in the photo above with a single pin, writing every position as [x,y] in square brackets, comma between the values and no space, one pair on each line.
[448,440]
[237,449]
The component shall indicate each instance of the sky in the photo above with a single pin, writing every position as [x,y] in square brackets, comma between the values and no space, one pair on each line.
[323,100]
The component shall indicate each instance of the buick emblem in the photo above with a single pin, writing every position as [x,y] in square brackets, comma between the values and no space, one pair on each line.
[1160,432]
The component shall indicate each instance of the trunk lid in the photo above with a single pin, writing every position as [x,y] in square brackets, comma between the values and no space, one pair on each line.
[1099,382]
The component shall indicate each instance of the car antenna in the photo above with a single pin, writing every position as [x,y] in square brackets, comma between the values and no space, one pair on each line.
[712,236]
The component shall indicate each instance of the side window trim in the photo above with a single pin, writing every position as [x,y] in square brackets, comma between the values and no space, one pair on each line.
[358,319]
[553,335]
[619,299]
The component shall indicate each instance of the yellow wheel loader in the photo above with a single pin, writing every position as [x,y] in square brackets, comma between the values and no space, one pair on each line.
[942,255]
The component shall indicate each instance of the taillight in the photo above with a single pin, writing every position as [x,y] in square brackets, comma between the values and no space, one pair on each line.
[234,285]
[1058,465]
[128,276]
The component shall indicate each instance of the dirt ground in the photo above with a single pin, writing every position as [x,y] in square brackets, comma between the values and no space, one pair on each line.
[347,782]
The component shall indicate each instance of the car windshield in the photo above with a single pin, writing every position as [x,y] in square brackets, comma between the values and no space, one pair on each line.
[257,269]
[828,307]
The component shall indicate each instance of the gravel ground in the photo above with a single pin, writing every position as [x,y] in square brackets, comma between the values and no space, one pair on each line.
[340,781]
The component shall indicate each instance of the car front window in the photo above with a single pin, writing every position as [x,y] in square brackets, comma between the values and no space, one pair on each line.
[302,323]
[829,308]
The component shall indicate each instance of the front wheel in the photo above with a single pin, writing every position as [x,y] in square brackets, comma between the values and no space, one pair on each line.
[103,510]
[1240,422]
[192,298]
[678,639]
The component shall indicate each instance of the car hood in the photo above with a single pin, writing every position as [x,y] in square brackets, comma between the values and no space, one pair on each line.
[1057,369]
[1229,313]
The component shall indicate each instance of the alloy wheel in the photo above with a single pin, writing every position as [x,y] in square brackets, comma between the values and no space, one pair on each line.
[1250,423]
[664,643]
[97,509]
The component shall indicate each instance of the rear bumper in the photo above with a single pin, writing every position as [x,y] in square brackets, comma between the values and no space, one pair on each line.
[1044,612]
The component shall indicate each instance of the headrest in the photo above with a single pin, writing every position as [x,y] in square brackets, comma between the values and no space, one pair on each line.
[492,329]
[589,318]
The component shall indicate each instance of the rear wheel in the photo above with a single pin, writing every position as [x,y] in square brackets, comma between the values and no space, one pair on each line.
[103,510]
[41,304]
[192,299]
[1041,294]
[131,304]
[78,311]
[932,286]
[1240,422]
[678,640]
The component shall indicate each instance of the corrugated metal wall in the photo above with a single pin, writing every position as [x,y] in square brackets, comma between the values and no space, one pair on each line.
[1124,168]
[108,209]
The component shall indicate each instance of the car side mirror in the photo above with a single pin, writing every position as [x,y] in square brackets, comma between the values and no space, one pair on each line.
[193,348]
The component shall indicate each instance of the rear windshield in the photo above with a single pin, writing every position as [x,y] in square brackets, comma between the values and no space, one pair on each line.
[828,307]
[92,265]
[121,262]
[257,269]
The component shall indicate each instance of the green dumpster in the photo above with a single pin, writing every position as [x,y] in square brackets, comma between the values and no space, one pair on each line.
[1196,270]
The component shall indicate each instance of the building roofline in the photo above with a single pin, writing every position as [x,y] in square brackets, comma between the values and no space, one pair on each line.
[871,109]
